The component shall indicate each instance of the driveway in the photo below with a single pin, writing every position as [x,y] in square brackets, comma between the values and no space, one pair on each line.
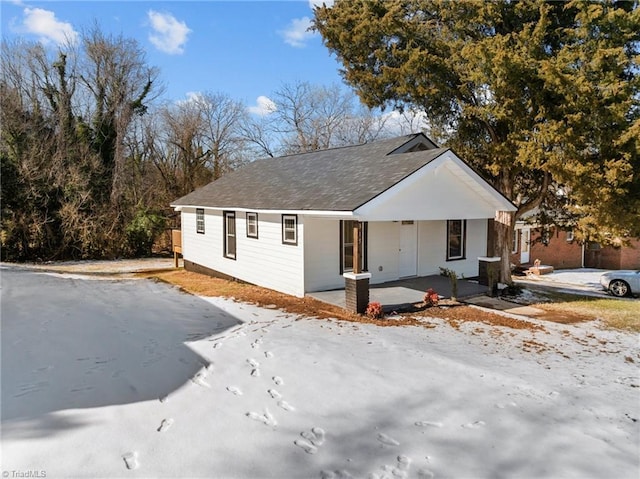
[72,343]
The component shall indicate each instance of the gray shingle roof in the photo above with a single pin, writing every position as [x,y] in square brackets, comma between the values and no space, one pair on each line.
[338,179]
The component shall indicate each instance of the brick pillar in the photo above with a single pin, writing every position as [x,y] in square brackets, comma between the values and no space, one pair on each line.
[488,269]
[356,290]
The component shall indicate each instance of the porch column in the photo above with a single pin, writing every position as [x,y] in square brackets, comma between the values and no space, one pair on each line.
[357,238]
[356,290]
[356,283]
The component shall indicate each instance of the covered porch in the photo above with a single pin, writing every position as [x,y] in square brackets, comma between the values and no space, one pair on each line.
[401,294]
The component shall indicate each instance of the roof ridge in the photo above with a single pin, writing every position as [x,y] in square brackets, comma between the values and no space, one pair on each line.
[346,146]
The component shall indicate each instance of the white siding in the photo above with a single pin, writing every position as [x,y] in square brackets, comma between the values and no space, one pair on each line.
[432,251]
[322,254]
[264,261]
[314,264]
[440,190]
[384,243]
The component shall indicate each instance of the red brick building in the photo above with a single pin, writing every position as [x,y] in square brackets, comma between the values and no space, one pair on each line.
[558,248]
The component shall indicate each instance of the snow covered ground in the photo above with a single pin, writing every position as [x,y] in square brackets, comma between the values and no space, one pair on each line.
[131,378]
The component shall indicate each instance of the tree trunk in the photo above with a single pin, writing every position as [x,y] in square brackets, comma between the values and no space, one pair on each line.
[503,229]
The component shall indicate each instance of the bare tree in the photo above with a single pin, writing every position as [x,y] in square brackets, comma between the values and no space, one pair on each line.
[196,141]
[121,84]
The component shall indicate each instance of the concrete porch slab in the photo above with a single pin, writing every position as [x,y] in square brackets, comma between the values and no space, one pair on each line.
[399,294]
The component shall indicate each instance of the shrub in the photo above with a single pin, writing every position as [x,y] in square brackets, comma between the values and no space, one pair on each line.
[142,231]
[374,310]
[453,278]
[430,298]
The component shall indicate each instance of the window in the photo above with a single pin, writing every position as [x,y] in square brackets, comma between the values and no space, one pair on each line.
[230,234]
[346,246]
[252,225]
[456,233]
[516,235]
[290,229]
[570,236]
[200,221]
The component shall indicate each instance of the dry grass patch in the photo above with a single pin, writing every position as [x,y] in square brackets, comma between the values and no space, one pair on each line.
[462,313]
[614,313]
[200,284]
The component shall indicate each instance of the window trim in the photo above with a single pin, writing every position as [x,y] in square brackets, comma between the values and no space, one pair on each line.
[254,215]
[225,236]
[463,241]
[285,217]
[200,221]
[516,240]
[365,247]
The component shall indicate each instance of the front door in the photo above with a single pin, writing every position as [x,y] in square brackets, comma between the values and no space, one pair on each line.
[525,246]
[408,251]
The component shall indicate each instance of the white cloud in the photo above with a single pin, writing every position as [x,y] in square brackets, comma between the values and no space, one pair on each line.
[297,33]
[264,106]
[169,34]
[48,28]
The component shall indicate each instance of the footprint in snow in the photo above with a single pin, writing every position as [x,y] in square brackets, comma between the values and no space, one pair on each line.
[199,379]
[235,390]
[389,441]
[306,447]
[474,425]
[267,419]
[274,394]
[286,406]
[425,474]
[131,460]
[404,463]
[165,425]
[255,372]
[216,345]
[428,424]
[277,380]
[268,354]
[315,436]
[253,363]
[400,470]
[256,343]
[338,474]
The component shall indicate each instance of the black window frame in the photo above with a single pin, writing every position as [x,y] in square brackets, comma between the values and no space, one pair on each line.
[463,241]
[295,229]
[249,234]
[225,236]
[200,221]
[364,247]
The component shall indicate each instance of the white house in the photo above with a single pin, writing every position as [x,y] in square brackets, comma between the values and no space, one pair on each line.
[287,223]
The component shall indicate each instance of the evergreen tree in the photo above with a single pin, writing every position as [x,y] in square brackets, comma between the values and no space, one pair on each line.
[542,97]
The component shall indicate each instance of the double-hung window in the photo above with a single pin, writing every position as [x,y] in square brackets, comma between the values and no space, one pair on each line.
[252,225]
[230,234]
[456,239]
[290,229]
[200,221]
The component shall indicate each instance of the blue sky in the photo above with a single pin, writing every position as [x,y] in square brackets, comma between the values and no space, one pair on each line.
[245,49]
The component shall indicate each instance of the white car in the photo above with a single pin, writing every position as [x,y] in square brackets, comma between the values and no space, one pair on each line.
[621,283]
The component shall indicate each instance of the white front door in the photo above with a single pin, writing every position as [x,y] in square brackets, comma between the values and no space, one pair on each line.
[525,240]
[408,254]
